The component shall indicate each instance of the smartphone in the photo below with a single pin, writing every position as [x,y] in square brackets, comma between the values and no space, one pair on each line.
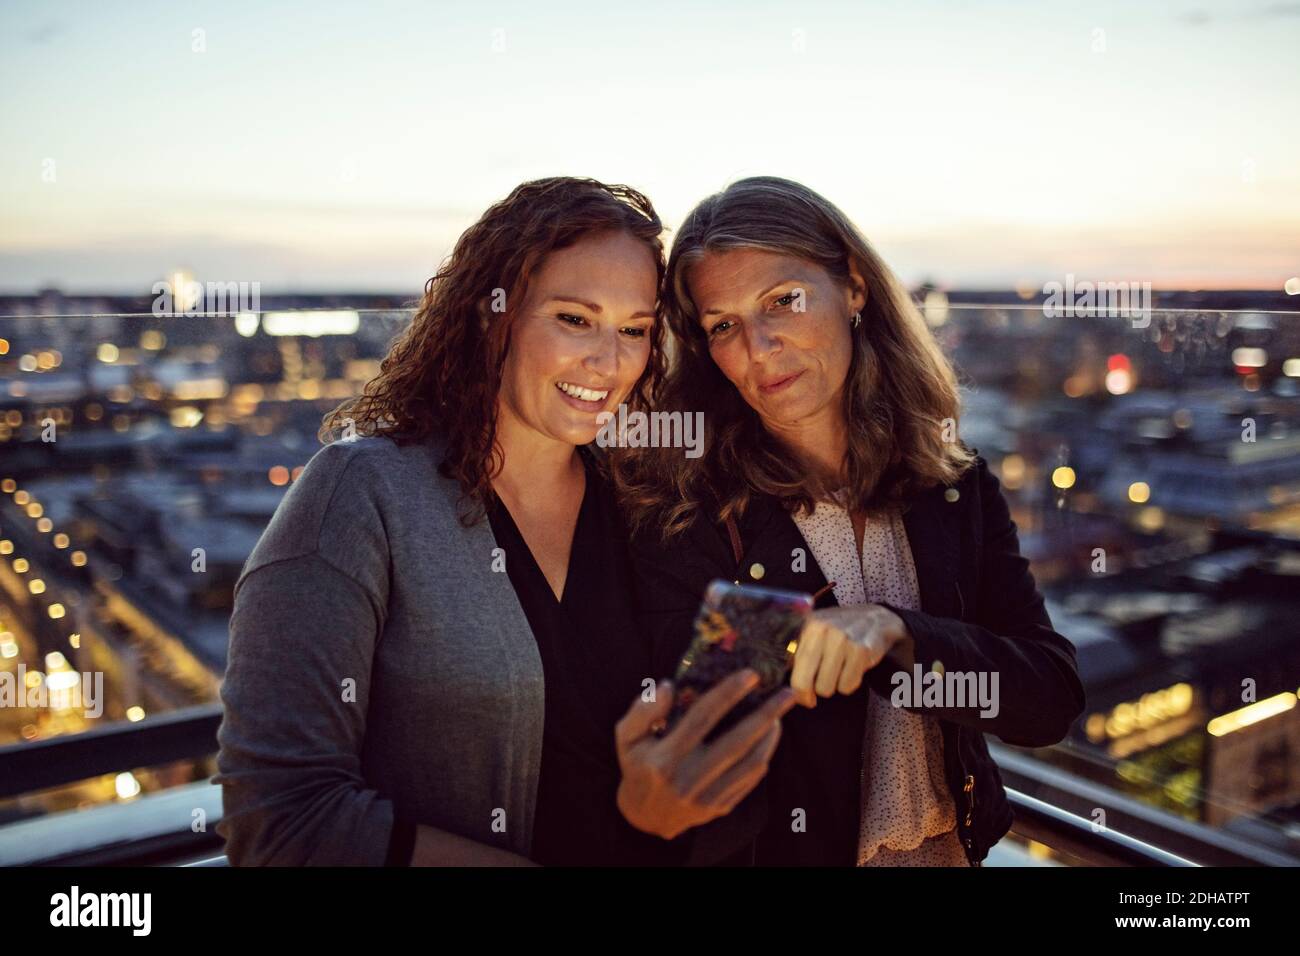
[740,626]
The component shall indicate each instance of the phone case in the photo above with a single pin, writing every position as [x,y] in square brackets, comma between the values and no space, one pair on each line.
[740,626]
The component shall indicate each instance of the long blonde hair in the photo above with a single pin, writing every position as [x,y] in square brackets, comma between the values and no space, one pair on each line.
[901,401]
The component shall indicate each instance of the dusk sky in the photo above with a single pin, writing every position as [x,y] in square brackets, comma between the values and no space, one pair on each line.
[344,146]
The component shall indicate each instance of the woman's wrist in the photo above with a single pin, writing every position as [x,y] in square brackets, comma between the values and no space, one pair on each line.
[903,653]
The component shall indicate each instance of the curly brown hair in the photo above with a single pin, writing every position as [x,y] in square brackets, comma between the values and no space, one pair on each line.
[442,374]
[901,402]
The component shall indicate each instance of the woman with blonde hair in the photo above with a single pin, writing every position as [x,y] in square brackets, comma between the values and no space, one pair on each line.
[832,465]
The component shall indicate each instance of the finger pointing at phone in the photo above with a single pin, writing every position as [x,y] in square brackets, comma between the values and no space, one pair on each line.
[838,645]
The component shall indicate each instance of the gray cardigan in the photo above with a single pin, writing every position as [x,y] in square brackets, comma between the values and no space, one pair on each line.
[377,662]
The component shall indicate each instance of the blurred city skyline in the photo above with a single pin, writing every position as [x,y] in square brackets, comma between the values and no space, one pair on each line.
[331,147]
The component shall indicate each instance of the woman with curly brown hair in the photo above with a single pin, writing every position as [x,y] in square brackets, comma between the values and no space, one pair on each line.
[433,641]
[833,466]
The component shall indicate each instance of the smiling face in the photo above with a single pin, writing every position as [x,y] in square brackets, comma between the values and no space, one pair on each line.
[778,329]
[581,339]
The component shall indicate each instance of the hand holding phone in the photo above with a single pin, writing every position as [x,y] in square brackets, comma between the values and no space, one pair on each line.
[676,781]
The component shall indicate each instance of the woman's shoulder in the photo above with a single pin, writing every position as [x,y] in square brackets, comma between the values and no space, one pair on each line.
[372,456]
[976,494]
[347,498]
[373,468]
[979,475]
[973,475]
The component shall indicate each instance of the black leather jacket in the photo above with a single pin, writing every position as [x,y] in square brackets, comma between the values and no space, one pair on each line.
[980,612]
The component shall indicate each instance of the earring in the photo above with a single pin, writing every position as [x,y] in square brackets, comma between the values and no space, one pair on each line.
[856,320]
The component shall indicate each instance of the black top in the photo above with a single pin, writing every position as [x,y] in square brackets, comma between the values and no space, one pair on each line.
[594,662]
[981,613]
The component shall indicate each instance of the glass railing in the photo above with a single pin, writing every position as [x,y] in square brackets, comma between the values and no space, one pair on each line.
[1151,462]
